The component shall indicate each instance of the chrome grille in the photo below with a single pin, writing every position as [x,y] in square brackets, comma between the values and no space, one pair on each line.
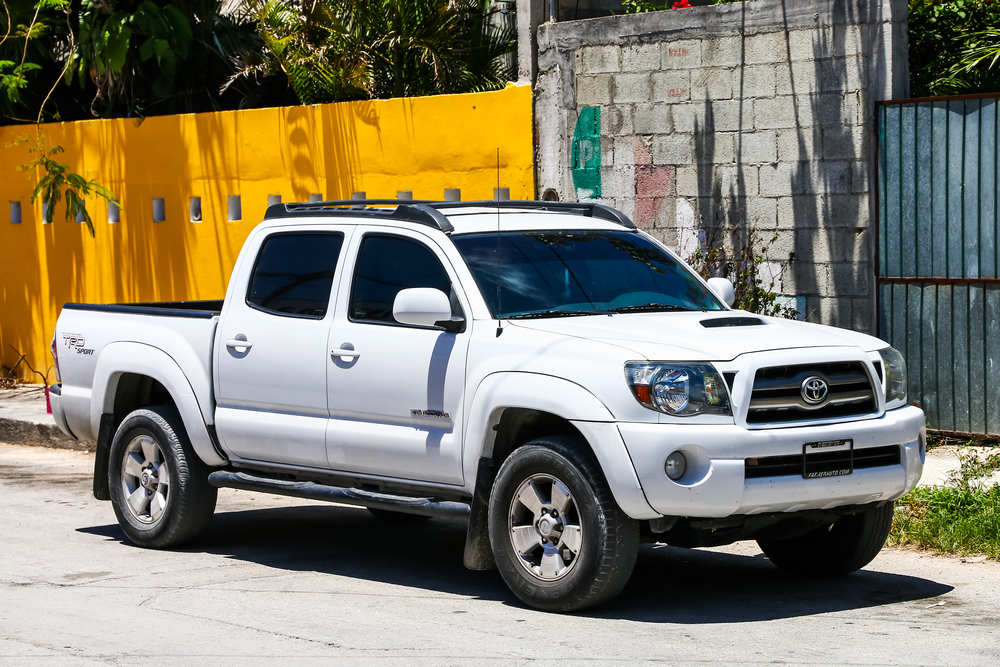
[777,393]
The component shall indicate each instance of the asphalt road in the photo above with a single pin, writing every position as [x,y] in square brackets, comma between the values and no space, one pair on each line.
[283,581]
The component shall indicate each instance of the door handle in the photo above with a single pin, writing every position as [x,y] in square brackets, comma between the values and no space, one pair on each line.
[344,353]
[233,342]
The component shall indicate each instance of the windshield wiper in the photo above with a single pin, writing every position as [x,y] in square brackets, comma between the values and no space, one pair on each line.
[555,313]
[649,308]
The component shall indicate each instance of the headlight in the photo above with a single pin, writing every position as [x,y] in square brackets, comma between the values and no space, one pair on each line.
[895,375]
[678,389]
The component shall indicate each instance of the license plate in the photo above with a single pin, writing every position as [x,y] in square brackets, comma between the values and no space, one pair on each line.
[827,458]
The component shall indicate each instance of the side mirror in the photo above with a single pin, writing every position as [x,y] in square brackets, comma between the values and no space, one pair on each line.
[723,289]
[422,307]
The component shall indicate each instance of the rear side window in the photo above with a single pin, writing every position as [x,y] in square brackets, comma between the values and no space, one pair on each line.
[294,274]
[386,265]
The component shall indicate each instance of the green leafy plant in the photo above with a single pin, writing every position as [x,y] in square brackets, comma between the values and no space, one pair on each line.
[741,262]
[963,516]
[953,47]
[58,182]
[336,50]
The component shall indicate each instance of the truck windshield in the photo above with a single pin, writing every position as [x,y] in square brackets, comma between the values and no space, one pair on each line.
[566,273]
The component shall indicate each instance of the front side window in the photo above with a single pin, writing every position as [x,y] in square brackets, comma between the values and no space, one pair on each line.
[387,265]
[560,273]
[293,275]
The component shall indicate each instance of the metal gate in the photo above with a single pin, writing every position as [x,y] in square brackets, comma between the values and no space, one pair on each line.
[938,256]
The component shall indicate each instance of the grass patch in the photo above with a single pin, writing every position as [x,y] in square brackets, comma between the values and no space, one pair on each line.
[961,517]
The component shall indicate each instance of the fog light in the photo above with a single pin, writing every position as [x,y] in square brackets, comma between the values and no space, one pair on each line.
[675,465]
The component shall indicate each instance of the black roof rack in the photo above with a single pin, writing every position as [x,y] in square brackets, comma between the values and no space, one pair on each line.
[426,212]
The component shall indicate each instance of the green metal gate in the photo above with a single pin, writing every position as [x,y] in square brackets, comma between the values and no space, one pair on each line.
[938,256]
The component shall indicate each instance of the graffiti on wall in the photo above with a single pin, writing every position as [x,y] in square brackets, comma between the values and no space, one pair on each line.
[586,158]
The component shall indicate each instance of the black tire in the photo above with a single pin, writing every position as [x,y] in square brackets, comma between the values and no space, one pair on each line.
[834,550]
[389,516]
[177,508]
[606,539]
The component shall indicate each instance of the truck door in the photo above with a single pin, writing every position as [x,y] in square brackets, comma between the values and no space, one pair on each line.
[396,391]
[272,350]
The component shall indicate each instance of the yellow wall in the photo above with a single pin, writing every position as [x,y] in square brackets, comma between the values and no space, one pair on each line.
[422,144]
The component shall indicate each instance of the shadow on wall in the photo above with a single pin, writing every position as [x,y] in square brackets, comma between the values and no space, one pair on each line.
[811,185]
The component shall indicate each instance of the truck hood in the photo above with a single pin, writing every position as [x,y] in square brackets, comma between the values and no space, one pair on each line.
[685,336]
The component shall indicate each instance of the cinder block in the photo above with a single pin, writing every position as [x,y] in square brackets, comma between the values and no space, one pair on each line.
[756,81]
[681,54]
[687,181]
[734,180]
[765,47]
[828,109]
[776,180]
[859,176]
[848,280]
[801,212]
[729,116]
[607,151]
[715,147]
[689,118]
[593,90]
[774,113]
[850,39]
[798,144]
[631,88]
[616,120]
[712,84]
[722,51]
[852,107]
[617,182]
[799,77]
[675,149]
[757,147]
[826,177]
[597,59]
[810,43]
[844,74]
[672,86]
[653,119]
[762,212]
[845,143]
[640,57]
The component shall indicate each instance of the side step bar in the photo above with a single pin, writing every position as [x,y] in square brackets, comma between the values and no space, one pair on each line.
[336,494]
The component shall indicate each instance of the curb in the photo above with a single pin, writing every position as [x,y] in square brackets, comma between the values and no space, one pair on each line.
[17,432]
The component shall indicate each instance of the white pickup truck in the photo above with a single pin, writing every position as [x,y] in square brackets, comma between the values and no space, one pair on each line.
[546,370]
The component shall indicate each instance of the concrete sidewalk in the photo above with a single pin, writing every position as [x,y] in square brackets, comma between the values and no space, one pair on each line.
[23,421]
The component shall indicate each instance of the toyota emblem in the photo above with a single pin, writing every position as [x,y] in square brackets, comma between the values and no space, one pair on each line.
[814,390]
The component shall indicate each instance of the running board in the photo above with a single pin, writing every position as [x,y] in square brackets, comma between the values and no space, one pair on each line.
[336,494]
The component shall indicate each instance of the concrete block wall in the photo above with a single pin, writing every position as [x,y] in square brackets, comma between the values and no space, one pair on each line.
[750,114]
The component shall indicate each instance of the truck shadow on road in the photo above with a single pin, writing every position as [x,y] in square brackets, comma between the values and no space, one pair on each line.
[669,585]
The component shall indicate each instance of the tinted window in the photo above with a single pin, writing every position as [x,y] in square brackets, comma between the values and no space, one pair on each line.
[294,274]
[386,265]
[579,271]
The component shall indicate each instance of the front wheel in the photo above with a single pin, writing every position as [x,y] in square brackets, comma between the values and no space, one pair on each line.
[559,539]
[159,487]
[833,550]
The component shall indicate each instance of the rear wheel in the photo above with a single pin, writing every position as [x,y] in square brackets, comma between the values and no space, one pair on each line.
[159,487]
[559,539]
[833,550]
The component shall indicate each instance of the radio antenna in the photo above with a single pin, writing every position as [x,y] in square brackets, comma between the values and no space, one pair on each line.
[499,302]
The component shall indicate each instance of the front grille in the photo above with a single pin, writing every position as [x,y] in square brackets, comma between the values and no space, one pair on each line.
[782,466]
[777,393]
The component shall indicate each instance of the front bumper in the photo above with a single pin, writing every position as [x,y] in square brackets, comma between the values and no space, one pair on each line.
[715,484]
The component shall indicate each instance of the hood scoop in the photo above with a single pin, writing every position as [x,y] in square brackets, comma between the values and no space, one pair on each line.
[732,322]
